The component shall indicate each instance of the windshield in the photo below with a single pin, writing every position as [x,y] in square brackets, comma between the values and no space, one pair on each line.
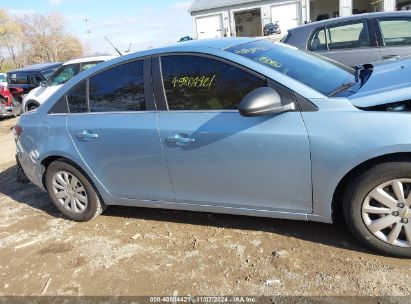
[48,73]
[3,78]
[63,74]
[317,72]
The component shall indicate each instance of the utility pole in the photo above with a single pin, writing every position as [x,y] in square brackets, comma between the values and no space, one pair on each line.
[89,47]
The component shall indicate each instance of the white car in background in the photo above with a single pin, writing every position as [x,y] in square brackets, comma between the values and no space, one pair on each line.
[67,71]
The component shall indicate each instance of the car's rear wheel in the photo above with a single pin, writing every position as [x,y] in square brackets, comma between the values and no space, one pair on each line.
[377,208]
[72,193]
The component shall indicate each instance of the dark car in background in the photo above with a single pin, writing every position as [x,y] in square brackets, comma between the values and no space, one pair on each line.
[272,29]
[22,81]
[357,39]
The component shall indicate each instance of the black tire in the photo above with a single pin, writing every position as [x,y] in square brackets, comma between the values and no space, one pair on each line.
[356,192]
[95,206]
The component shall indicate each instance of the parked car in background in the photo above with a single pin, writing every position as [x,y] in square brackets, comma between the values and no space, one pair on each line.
[8,106]
[185,38]
[231,125]
[22,81]
[272,29]
[357,39]
[64,73]
[404,6]
[3,79]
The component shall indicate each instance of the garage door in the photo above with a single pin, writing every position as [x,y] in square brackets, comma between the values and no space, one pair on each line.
[209,27]
[286,15]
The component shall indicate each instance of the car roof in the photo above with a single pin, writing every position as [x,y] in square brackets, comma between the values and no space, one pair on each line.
[91,59]
[38,67]
[349,18]
[217,43]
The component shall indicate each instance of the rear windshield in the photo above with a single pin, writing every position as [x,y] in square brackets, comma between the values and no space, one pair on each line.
[317,72]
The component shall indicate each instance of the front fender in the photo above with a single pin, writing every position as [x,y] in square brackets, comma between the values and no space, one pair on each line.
[343,138]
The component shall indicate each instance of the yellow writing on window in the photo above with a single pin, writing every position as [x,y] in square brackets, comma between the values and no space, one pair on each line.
[271,62]
[250,50]
[202,81]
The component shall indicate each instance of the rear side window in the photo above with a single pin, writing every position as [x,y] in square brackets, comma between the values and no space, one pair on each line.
[318,41]
[200,83]
[88,65]
[118,89]
[396,31]
[348,35]
[77,98]
[18,78]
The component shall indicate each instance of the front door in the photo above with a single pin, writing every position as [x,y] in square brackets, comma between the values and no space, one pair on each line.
[217,157]
[116,135]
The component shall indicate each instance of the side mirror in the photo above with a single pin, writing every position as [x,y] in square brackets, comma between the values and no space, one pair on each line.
[43,84]
[263,101]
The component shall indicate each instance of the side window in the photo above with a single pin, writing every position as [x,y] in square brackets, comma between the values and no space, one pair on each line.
[35,79]
[396,31]
[22,78]
[318,41]
[12,78]
[64,74]
[77,98]
[200,83]
[118,89]
[352,35]
[87,65]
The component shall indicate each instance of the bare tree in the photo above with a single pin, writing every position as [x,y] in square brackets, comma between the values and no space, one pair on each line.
[47,39]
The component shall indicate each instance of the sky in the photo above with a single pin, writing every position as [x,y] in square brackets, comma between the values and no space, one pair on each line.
[143,23]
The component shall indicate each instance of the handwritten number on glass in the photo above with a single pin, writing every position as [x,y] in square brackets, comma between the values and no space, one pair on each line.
[194,81]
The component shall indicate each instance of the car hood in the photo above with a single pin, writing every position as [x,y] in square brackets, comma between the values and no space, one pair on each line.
[389,82]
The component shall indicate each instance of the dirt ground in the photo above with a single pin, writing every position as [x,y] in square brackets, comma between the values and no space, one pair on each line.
[135,251]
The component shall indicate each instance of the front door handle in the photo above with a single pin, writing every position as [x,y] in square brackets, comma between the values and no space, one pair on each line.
[181,139]
[87,134]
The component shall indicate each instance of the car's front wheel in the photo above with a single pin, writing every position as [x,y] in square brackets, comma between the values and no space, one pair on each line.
[377,207]
[71,192]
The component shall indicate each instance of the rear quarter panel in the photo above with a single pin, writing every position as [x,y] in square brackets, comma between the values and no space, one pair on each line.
[46,136]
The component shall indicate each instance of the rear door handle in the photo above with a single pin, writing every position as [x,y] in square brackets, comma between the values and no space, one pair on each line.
[87,134]
[180,139]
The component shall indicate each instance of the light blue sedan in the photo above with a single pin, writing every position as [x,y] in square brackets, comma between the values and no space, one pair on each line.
[239,126]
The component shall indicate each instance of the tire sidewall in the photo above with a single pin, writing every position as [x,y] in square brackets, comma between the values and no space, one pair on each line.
[94,204]
[358,189]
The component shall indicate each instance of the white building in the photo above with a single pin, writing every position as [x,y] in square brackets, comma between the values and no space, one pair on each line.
[219,18]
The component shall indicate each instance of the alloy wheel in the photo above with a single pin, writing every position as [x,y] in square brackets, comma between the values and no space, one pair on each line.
[386,211]
[69,192]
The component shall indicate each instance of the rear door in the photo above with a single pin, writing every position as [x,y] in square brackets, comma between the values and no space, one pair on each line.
[113,125]
[350,43]
[395,35]
[217,157]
